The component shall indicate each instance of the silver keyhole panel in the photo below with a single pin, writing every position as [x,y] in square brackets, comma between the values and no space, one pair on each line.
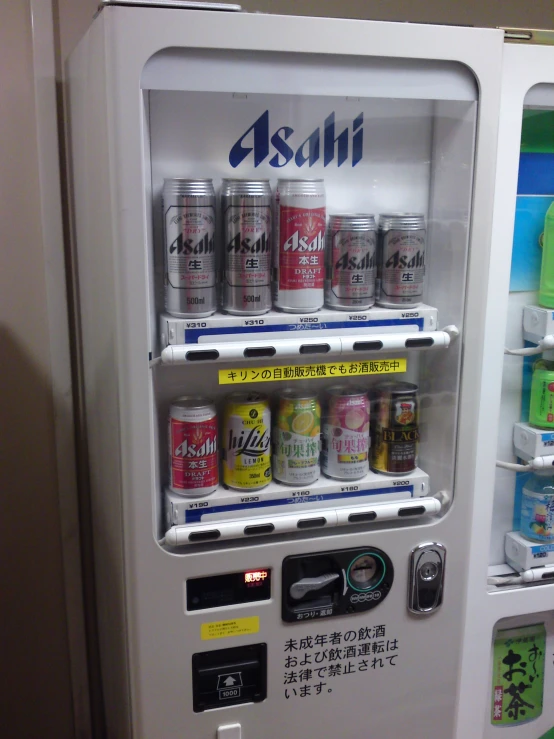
[426,578]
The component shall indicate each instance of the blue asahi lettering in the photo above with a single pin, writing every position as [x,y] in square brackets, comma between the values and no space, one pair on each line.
[337,147]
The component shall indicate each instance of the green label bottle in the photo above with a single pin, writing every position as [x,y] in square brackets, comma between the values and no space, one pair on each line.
[518,675]
[541,409]
[546,286]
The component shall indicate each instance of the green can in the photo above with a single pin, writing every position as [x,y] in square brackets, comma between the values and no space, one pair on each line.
[296,438]
[541,410]
[518,675]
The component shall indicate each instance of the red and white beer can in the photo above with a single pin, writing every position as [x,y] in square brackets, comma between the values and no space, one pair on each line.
[299,262]
[193,446]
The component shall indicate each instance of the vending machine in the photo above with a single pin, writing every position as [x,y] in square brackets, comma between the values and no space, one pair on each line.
[509,636]
[282,239]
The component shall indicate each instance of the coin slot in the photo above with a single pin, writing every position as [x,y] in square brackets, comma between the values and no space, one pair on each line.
[202,356]
[261,528]
[418,343]
[204,535]
[362,517]
[315,349]
[366,572]
[414,511]
[311,523]
[367,346]
[262,351]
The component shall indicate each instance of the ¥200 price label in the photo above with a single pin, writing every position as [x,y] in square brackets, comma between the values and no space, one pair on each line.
[334,370]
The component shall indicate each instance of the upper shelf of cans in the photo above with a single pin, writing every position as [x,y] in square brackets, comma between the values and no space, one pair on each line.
[263,266]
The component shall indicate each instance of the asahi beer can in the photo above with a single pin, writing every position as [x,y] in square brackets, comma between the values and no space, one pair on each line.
[246,441]
[296,438]
[345,434]
[193,446]
[246,212]
[401,260]
[299,255]
[351,262]
[395,429]
[190,259]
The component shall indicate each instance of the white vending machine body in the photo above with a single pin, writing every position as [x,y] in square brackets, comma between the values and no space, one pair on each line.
[500,596]
[158,93]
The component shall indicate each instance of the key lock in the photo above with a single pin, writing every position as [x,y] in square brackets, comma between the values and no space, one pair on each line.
[426,578]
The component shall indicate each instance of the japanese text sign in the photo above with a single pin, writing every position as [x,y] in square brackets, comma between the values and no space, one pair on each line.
[334,370]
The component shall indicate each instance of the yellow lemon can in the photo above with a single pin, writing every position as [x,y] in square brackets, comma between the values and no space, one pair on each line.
[246,441]
[296,437]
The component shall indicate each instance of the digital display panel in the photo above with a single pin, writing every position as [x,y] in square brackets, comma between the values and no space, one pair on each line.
[228,590]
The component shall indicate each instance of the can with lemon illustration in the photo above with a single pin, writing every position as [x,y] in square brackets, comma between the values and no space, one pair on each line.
[345,437]
[296,437]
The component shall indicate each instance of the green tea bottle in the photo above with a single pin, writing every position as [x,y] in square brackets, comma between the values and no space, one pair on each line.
[546,285]
[541,410]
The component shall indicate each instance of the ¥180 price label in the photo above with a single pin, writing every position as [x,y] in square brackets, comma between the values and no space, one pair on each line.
[334,370]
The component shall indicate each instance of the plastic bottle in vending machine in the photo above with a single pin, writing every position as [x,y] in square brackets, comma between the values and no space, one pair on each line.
[546,285]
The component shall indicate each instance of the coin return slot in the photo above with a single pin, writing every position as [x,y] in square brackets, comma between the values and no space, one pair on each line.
[415,511]
[261,528]
[311,523]
[418,343]
[367,346]
[204,535]
[262,351]
[202,356]
[362,517]
[315,349]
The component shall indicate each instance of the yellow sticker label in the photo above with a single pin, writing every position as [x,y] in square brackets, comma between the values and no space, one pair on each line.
[232,627]
[335,370]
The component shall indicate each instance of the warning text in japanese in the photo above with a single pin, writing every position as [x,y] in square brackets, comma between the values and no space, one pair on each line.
[314,665]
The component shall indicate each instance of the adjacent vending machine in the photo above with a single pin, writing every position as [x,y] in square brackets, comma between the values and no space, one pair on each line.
[509,639]
[282,230]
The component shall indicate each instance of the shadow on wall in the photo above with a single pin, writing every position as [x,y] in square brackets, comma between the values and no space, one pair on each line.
[34,642]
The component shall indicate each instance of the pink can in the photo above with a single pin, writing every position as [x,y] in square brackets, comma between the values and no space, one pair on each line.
[345,434]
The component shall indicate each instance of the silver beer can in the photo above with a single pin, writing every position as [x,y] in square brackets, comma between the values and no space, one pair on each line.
[351,262]
[299,256]
[247,218]
[401,260]
[190,259]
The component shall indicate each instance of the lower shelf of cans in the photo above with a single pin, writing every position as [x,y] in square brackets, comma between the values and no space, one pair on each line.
[277,509]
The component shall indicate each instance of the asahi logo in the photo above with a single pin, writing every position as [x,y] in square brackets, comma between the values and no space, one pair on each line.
[246,245]
[284,145]
[209,446]
[403,261]
[250,442]
[348,262]
[303,243]
[205,245]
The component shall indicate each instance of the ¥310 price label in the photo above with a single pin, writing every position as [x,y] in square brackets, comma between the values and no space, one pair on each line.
[334,370]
